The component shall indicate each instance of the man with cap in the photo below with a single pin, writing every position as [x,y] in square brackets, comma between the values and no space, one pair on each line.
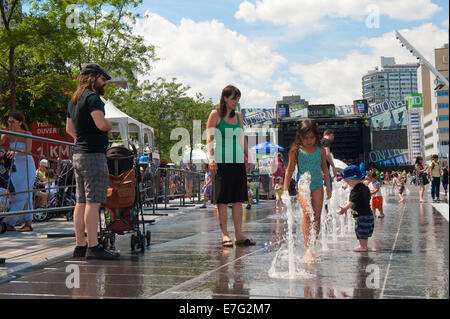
[86,123]
[360,202]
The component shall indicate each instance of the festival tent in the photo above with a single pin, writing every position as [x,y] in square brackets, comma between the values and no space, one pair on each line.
[125,124]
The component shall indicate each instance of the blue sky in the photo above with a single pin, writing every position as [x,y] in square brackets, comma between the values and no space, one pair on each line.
[302,47]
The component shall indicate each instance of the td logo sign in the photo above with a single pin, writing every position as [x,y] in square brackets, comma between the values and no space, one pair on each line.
[415,100]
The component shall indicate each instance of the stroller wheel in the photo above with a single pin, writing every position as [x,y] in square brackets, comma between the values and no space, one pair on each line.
[142,242]
[40,217]
[134,242]
[2,228]
[69,216]
[148,237]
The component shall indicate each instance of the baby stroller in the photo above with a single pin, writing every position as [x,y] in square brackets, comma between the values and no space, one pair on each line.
[123,205]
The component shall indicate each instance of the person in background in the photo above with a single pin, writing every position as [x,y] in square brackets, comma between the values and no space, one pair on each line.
[374,169]
[445,179]
[435,172]
[206,189]
[40,172]
[377,197]
[278,193]
[24,176]
[277,168]
[398,182]
[326,141]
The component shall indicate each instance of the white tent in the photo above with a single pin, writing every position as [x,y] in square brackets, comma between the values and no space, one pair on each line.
[125,124]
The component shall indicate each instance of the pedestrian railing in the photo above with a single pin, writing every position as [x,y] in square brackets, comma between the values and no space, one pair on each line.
[22,192]
[157,189]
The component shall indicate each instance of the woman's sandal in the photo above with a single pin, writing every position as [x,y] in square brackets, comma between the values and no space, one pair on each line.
[245,242]
[10,228]
[25,228]
[227,243]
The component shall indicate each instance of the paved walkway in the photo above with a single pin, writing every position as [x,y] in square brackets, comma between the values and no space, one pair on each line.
[186,260]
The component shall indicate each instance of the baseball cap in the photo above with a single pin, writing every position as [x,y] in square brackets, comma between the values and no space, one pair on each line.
[143,159]
[352,172]
[43,162]
[93,67]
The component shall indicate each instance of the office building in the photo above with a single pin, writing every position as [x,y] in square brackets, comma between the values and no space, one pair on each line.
[436,107]
[390,82]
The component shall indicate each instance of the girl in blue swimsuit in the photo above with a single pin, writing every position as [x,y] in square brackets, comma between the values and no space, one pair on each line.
[307,153]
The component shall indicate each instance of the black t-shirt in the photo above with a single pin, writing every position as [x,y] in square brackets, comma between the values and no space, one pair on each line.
[90,139]
[326,143]
[360,197]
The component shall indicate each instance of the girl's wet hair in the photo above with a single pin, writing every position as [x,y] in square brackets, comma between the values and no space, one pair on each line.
[305,126]
[228,91]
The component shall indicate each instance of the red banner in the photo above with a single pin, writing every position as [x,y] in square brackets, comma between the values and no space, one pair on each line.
[52,150]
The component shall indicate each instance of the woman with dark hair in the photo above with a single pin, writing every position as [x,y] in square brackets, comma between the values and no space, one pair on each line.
[307,153]
[226,163]
[421,178]
[23,177]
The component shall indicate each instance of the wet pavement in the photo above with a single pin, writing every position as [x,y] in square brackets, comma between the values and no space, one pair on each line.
[186,260]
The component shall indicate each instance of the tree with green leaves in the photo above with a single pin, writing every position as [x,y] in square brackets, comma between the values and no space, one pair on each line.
[164,105]
[44,43]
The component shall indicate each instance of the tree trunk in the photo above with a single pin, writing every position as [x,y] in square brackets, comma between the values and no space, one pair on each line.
[12,80]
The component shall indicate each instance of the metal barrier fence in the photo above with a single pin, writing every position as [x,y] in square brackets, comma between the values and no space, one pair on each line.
[25,188]
[44,198]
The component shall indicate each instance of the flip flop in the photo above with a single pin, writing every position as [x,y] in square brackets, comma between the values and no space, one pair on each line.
[245,242]
[25,228]
[381,216]
[227,243]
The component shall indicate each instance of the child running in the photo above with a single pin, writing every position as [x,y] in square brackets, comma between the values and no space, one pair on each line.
[377,197]
[307,153]
[360,202]
[207,185]
[398,182]
[278,192]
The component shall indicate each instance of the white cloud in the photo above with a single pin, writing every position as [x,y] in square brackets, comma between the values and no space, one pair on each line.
[207,56]
[338,81]
[307,13]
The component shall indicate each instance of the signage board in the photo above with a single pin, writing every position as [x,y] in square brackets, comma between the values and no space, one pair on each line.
[415,100]
[322,110]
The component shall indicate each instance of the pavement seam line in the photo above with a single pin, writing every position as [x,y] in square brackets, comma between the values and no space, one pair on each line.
[204,274]
[392,252]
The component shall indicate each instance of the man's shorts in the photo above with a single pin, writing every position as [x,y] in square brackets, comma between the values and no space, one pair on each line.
[91,175]
[377,203]
[364,226]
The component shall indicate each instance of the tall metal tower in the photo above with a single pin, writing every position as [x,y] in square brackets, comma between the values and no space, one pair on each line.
[420,57]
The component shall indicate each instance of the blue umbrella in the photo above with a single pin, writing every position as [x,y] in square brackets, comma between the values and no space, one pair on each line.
[267,148]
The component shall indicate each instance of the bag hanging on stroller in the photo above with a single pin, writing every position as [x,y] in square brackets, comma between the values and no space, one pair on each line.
[121,196]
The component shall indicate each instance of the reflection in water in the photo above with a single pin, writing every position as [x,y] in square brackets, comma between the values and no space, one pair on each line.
[230,276]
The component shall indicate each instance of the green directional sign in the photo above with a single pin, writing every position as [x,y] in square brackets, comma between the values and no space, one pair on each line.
[415,100]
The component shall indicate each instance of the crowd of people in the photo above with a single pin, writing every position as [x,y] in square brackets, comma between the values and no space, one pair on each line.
[226,181]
